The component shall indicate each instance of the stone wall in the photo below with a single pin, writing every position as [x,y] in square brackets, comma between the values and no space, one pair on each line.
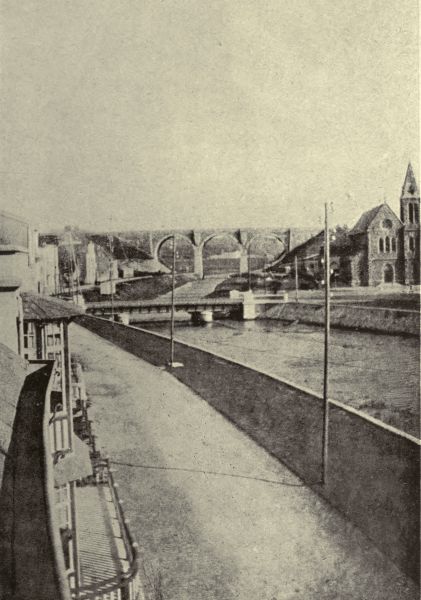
[384,320]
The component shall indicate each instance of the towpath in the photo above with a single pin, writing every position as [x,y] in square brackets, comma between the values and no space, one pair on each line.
[216,517]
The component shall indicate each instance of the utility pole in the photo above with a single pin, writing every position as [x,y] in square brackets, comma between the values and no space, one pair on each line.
[110,239]
[325,439]
[249,266]
[296,278]
[172,304]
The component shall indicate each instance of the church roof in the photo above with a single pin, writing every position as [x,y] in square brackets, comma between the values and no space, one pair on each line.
[410,188]
[366,219]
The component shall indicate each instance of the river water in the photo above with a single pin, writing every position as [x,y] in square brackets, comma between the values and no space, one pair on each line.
[378,374]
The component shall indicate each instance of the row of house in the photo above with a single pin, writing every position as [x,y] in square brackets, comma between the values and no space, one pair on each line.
[63,532]
[380,248]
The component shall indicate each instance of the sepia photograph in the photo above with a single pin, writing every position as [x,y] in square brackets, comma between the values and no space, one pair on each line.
[210,300]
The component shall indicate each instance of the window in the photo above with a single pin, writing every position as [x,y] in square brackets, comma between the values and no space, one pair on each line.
[50,340]
[381,245]
[402,214]
[387,224]
[411,213]
[411,244]
[416,213]
[387,244]
[28,335]
[393,244]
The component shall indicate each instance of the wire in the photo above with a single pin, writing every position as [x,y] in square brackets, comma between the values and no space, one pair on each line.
[216,473]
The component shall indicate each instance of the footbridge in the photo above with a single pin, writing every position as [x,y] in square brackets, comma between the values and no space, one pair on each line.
[245,305]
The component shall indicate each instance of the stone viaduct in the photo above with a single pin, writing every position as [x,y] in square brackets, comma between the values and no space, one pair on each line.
[151,241]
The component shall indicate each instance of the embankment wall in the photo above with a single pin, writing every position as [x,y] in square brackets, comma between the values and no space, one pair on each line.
[373,469]
[368,318]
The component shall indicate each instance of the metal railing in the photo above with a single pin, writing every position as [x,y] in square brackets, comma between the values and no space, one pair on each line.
[126,585]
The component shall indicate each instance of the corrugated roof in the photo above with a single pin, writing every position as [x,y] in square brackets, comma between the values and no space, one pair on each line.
[45,308]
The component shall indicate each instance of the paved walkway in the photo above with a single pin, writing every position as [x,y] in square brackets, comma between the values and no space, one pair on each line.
[215,515]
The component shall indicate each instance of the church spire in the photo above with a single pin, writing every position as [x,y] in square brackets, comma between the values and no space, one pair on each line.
[410,188]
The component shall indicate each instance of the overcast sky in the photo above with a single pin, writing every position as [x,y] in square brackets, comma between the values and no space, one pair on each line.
[194,113]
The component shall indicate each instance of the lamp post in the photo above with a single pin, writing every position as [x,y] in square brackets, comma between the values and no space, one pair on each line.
[249,266]
[110,239]
[172,362]
[172,304]
[325,438]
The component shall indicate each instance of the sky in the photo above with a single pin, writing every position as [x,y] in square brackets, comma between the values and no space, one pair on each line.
[149,114]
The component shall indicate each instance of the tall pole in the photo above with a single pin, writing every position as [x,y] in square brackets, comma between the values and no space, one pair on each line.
[325,440]
[110,239]
[172,303]
[296,278]
[249,265]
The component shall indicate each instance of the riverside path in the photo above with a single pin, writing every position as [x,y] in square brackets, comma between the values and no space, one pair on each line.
[216,517]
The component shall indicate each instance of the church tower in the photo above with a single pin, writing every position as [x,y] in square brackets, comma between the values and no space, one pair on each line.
[410,217]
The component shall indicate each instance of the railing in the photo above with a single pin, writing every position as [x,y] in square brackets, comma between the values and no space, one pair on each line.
[126,585]
[52,524]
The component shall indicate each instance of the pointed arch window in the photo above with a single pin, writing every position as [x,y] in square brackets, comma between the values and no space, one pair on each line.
[393,244]
[411,213]
[416,213]
[402,214]
[387,244]
[381,245]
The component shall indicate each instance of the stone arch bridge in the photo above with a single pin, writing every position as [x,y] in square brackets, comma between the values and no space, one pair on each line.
[151,241]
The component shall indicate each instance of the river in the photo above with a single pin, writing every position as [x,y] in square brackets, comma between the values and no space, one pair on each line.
[378,374]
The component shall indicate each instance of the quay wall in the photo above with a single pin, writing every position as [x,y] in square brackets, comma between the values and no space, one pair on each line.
[347,316]
[373,469]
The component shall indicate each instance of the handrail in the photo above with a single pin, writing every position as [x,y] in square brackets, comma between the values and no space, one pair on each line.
[117,503]
[122,580]
[53,527]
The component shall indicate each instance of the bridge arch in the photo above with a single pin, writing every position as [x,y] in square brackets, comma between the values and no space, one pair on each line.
[223,234]
[235,245]
[165,238]
[261,236]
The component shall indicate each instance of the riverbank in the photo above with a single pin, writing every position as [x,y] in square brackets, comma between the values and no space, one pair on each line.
[347,316]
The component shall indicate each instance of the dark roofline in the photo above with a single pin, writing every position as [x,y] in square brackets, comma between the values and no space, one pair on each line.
[45,308]
[303,244]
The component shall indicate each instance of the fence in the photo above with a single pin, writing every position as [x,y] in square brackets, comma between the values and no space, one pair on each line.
[373,472]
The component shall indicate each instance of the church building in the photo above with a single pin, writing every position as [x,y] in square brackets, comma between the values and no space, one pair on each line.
[381,248]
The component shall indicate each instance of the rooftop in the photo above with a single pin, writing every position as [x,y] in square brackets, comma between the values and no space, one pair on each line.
[45,308]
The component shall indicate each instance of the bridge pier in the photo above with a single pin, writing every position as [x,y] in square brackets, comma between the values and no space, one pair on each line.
[198,261]
[202,316]
[249,307]
[244,260]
